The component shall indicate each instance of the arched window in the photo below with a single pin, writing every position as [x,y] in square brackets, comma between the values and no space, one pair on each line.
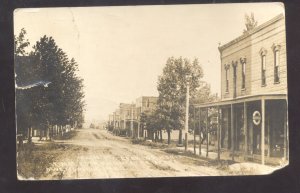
[243,62]
[227,77]
[276,50]
[234,67]
[263,54]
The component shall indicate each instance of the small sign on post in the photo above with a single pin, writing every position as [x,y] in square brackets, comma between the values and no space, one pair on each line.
[256,117]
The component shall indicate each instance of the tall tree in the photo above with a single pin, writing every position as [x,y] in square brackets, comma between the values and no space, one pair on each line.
[172,86]
[21,43]
[65,93]
[60,103]
[25,74]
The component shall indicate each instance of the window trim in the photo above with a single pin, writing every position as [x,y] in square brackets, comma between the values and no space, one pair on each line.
[243,62]
[276,63]
[263,64]
[227,67]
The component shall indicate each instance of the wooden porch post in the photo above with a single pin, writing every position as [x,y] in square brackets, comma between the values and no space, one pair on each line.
[285,144]
[232,132]
[269,135]
[246,129]
[199,131]
[206,132]
[218,133]
[262,131]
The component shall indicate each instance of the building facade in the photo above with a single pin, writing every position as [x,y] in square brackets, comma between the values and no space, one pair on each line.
[252,113]
[126,119]
[144,104]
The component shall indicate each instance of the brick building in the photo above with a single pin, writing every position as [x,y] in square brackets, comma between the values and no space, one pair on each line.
[252,112]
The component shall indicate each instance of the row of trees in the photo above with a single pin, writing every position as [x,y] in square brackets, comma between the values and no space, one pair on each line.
[172,86]
[49,91]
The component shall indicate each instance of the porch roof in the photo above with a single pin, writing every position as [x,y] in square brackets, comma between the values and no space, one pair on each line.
[243,99]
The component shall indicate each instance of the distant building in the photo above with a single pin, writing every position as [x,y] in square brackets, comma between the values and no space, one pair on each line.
[126,119]
[144,104]
[253,106]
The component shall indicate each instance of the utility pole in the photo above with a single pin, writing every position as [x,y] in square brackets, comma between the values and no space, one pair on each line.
[131,123]
[187,114]
[139,123]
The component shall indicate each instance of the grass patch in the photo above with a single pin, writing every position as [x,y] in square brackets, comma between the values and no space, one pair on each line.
[33,160]
[155,145]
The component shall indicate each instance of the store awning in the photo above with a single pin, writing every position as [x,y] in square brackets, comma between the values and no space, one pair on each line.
[243,99]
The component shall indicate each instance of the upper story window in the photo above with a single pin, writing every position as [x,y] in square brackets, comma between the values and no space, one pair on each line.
[227,77]
[263,53]
[234,66]
[243,62]
[276,50]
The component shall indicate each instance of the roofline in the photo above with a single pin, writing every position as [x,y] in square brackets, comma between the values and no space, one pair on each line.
[251,32]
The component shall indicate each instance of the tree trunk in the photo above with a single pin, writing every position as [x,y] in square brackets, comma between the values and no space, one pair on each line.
[152,135]
[161,138]
[41,136]
[29,135]
[47,133]
[169,136]
[180,137]
[51,132]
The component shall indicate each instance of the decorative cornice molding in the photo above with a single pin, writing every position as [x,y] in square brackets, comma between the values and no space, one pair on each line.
[249,33]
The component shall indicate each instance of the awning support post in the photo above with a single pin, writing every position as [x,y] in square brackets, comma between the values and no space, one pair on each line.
[263,131]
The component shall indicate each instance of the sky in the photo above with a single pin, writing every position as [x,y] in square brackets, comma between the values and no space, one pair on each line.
[122,50]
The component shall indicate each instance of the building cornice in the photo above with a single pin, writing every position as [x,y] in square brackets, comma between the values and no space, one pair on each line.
[251,32]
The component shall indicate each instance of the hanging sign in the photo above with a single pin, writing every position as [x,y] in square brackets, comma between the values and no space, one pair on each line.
[256,117]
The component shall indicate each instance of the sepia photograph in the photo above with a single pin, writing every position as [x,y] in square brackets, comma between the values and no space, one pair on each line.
[150,91]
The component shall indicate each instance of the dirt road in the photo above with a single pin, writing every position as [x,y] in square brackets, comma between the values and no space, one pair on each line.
[98,154]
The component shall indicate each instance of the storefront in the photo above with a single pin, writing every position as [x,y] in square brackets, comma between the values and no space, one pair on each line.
[248,125]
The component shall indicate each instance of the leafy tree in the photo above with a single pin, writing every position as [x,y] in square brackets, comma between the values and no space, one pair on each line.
[26,72]
[21,43]
[65,93]
[250,22]
[172,85]
[62,102]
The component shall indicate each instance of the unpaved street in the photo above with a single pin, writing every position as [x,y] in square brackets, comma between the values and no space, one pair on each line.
[98,154]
